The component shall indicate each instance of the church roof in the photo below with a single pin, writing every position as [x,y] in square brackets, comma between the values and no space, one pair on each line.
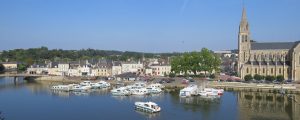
[272,45]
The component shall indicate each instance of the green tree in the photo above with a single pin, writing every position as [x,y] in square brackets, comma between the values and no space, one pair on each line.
[2,68]
[280,78]
[248,77]
[257,77]
[22,67]
[171,75]
[270,78]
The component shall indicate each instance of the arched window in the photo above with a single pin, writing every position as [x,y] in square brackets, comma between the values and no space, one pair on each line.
[299,59]
[279,70]
[247,70]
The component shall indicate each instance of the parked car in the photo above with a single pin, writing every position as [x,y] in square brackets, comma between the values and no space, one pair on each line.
[288,81]
[184,81]
[276,82]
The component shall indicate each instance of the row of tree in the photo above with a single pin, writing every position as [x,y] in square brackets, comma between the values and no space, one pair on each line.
[195,62]
[270,78]
[41,54]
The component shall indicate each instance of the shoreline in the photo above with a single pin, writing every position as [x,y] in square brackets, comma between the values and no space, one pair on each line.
[236,86]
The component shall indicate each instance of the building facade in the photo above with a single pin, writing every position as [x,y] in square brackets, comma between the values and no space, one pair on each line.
[272,58]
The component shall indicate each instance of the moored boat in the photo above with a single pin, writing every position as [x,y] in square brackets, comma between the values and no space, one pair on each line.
[147,107]
[61,87]
[120,91]
[188,91]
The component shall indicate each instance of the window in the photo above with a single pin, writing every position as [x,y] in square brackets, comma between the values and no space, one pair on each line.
[271,70]
[255,70]
[263,70]
[299,59]
[244,56]
[247,70]
[279,70]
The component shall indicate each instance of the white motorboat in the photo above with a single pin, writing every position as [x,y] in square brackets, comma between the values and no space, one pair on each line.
[210,92]
[140,91]
[156,85]
[120,91]
[81,88]
[61,87]
[103,84]
[86,83]
[139,85]
[147,107]
[188,91]
[95,85]
[154,90]
[72,86]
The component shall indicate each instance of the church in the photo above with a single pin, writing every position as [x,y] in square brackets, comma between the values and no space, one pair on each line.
[266,58]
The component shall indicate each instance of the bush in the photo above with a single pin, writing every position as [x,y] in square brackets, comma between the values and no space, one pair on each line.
[248,77]
[257,77]
[263,77]
[270,78]
[2,68]
[280,78]
[212,76]
[172,75]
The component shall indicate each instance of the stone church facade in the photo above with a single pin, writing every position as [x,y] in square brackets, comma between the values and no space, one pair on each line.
[271,58]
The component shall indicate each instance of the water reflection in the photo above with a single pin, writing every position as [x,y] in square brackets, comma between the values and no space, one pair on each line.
[255,105]
[246,105]
[148,115]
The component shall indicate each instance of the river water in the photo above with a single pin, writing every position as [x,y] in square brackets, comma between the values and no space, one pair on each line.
[21,100]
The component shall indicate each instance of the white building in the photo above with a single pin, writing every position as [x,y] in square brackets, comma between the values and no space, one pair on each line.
[63,68]
[132,67]
[160,69]
[116,68]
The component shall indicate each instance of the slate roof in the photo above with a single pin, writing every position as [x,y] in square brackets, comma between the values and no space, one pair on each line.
[272,45]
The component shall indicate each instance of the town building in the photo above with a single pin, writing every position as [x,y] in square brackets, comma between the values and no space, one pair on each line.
[271,58]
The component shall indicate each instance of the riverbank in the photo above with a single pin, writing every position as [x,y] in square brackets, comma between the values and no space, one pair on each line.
[288,88]
[177,84]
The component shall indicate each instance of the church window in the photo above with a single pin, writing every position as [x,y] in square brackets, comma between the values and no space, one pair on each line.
[247,70]
[255,70]
[299,59]
[279,70]
[263,70]
[271,70]
[244,56]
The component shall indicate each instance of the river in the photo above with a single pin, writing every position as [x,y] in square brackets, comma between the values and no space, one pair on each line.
[20,99]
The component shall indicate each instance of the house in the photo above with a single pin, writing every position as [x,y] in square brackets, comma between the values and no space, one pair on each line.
[40,68]
[160,69]
[10,65]
[63,68]
[116,68]
[135,67]
[103,68]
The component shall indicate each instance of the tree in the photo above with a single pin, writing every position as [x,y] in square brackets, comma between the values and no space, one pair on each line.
[248,77]
[270,78]
[2,68]
[22,67]
[257,77]
[280,78]
[171,74]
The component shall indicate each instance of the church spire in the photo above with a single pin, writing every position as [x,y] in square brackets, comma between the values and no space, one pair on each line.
[244,15]
[244,26]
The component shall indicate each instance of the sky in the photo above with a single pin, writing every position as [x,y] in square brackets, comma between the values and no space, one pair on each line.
[144,25]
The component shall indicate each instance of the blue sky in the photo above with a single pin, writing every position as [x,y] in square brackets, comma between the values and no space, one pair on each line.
[143,25]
